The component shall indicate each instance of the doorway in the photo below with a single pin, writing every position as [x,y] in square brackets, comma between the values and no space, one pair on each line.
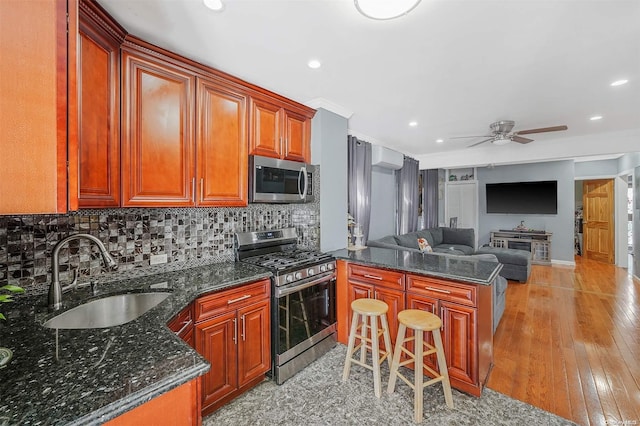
[598,203]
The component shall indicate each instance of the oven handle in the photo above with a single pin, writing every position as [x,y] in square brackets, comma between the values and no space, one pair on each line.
[301,286]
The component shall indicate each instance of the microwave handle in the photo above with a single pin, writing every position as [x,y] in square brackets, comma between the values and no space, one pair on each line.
[303,173]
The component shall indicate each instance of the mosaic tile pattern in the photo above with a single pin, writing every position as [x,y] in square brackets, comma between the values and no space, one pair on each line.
[188,236]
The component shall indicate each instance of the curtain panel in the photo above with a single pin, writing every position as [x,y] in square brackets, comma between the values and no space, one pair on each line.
[359,183]
[407,196]
[429,198]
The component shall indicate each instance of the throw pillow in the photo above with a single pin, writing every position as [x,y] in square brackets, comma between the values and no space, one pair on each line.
[424,246]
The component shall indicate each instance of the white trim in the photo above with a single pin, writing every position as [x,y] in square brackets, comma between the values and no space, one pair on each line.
[563,263]
[595,177]
[329,106]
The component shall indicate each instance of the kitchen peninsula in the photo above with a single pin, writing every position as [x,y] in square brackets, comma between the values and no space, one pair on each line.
[458,289]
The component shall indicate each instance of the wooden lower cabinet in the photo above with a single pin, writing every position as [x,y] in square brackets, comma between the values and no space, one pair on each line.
[465,310]
[236,341]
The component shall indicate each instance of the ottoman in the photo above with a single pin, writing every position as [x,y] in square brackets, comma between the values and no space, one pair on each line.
[517,263]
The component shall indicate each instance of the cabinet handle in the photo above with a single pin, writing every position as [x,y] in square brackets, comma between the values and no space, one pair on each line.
[235,331]
[373,277]
[246,296]
[201,189]
[441,318]
[193,189]
[437,290]
[186,324]
[281,145]
[243,337]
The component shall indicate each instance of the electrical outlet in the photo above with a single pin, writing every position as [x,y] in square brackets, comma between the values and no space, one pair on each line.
[157,259]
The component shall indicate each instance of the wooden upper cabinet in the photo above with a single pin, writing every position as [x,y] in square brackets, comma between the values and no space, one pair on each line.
[157,136]
[297,137]
[266,129]
[98,91]
[221,145]
[277,131]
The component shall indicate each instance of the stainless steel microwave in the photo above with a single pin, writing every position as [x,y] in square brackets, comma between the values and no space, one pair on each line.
[280,181]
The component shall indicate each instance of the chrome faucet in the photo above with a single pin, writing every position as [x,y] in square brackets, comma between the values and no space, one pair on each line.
[55,289]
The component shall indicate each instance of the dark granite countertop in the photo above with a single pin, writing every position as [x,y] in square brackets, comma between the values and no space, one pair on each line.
[90,376]
[458,268]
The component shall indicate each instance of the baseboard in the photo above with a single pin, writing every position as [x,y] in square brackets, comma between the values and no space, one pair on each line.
[562,262]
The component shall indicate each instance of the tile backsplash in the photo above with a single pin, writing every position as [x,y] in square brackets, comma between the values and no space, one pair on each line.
[188,236]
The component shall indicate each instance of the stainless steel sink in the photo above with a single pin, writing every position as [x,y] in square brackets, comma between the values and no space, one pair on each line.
[107,312]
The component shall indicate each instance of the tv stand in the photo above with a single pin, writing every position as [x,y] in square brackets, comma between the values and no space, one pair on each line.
[536,242]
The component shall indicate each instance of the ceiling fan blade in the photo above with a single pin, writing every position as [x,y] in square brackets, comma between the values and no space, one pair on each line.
[541,130]
[486,140]
[466,137]
[520,139]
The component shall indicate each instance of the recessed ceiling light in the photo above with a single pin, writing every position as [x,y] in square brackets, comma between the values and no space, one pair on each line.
[619,82]
[215,5]
[596,117]
[413,123]
[439,140]
[314,64]
[381,10]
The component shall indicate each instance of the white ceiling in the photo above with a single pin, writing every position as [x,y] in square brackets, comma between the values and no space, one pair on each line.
[452,66]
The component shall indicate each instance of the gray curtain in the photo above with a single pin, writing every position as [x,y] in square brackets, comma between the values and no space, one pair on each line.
[429,198]
[359,183]
[407,196]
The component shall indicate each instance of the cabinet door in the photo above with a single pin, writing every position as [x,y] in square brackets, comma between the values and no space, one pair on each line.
[460,341]
[222,146]
[425,303]
[157,134]
[265,129]
[396,301]
[254,349]
[357,291]
[297,137]
[98,116]
[216,342]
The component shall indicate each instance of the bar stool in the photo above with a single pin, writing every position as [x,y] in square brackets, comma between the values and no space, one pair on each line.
[420,321]
[368,333]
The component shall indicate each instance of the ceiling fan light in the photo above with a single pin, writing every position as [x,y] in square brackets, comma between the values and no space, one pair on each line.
[215,5]
[385,9]
[501,141]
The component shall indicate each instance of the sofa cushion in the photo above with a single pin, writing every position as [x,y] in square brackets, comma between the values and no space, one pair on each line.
[436,233]
[408,240]
[448,250]
[461,248]
[424,233]
[378,243]
[508,256]
[464,236]
[389,239]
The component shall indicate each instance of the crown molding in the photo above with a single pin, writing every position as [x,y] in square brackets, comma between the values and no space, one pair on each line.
[329,106]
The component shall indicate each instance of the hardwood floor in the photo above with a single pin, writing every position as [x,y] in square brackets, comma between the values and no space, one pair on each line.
[569,343]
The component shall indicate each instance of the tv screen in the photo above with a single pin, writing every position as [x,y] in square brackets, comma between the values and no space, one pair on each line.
[523,197]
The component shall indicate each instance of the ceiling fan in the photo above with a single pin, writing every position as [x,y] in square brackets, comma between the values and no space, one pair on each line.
[501,133]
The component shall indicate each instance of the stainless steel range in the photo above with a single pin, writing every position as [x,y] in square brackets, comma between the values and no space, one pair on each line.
[303,310]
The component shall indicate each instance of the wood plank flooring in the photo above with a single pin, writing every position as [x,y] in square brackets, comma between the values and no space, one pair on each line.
[569,343]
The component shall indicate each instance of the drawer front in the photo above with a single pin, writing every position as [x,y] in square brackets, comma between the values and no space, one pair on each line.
[443,290]
[216,303]
[375,276]
[182,321]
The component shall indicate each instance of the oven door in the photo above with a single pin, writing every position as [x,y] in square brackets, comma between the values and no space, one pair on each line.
[304,313]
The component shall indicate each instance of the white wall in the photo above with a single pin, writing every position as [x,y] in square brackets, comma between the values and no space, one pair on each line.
[561,224]
[383,203]
[329,150]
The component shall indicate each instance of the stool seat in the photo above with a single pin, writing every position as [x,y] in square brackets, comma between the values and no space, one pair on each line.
[369,306]
[365,329]
[419,320]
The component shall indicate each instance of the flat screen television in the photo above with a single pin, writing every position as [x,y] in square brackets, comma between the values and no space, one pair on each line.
[539,197]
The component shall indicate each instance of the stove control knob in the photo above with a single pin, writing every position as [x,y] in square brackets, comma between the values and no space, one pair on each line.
[311,271]
[298,275]
[323,268]
[329,266]
[289,278]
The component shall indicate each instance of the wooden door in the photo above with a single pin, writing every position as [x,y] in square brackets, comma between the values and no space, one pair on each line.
[396,301]
[598,220]
[254,350]
[265,129]
[98,82]
[356,291]
[216,342]
[297,137]
[428,304]
[157,135]
[222,146]
[459,340]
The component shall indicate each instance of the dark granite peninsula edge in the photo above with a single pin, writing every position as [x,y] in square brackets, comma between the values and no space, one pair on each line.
[94,375]
[457,268]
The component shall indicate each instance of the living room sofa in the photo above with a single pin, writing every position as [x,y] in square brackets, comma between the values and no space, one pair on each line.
[455,242]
